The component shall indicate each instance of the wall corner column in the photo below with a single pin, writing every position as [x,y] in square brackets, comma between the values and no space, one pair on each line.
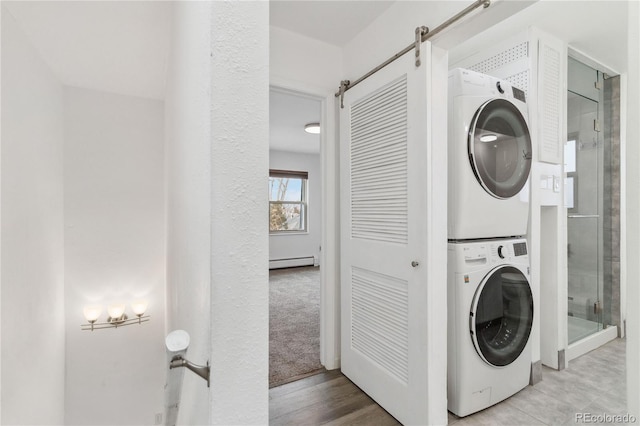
[239,233]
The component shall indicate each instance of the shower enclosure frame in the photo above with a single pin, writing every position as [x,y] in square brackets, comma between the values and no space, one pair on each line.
[604,331]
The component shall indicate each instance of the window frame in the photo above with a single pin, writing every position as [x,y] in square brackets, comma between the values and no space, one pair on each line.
[303,203]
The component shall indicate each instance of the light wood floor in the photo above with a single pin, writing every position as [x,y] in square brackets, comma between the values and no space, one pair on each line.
[594,383]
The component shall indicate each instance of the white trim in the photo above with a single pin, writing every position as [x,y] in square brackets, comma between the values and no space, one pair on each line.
[329,253]
[292,263]
[591,342]
[289,233]
[437,97]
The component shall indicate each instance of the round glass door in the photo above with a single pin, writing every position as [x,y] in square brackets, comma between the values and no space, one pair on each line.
[501,316]
[500,148]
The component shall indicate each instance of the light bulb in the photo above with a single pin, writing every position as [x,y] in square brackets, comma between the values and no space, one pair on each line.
[139,307]
[92,312]
[116,310]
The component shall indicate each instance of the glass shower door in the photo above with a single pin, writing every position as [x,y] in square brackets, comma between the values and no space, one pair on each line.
[583,165]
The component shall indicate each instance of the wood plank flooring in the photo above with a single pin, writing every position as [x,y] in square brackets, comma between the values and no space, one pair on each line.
[325,399]
[593,383]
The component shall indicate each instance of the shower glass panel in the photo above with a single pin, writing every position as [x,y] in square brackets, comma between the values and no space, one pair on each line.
[584,200]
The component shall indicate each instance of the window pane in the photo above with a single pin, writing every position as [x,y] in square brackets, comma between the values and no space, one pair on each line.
[285,189]
[286,217]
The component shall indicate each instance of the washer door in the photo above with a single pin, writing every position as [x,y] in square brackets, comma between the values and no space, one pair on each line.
[501,316]
[500,148]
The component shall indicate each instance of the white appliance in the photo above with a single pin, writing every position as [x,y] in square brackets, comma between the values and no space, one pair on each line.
[490,314]
[489,157]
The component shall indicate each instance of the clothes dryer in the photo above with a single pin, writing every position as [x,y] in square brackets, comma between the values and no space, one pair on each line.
[489,157]
[490,315]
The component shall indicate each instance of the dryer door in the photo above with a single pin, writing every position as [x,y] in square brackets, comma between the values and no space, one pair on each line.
[500,148]
[501,316]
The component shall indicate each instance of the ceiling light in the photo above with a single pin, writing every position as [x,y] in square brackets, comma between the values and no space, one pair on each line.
[313,128]
[488,138]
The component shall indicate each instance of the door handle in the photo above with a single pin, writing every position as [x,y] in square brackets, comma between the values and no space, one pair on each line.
[415,263]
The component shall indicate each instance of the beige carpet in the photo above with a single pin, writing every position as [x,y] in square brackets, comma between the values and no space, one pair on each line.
[294,324]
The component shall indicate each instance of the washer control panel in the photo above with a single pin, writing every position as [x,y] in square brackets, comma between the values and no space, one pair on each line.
[493,252]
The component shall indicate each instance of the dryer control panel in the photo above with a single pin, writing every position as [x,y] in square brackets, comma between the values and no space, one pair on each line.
[463,82]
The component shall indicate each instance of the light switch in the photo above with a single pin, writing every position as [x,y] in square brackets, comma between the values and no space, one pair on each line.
[556,183]
[543,182]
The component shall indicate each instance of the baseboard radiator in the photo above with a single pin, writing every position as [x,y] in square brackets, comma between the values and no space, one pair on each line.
[292,262]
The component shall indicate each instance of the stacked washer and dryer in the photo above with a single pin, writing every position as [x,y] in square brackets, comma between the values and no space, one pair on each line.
[490,300]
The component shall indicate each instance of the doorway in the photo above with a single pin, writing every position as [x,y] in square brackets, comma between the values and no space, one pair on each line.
[592,166]
[295,235]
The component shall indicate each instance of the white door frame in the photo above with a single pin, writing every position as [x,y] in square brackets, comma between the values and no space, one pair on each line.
[330,235]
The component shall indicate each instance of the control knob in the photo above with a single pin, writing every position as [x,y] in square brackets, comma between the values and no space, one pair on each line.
[501,252]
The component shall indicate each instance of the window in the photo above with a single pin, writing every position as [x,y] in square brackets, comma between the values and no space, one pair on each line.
[287,201]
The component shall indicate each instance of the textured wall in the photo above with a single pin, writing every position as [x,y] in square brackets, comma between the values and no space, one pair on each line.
[239,172]
[32,235]
[114,251]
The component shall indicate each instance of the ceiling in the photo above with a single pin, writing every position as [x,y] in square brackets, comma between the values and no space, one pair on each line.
[122,46]
[113,46]
[288,114]
[596,28]
[334,22]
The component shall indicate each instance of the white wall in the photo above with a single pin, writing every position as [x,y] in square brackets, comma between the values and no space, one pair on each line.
[217,122]
[240,295]
[114,251]
[188,188]
[33,303]
[296,60]
[632,256]
[394,29]
[286,246]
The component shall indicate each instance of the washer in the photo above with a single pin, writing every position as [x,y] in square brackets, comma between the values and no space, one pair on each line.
[489,157]
[490,316]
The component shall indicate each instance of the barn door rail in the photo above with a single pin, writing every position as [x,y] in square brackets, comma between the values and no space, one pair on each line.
[422,35]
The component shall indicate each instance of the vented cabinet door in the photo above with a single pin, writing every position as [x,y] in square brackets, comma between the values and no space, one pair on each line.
[388,183]
[551,93]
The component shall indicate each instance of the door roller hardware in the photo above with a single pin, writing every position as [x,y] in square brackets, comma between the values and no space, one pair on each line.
[422,34]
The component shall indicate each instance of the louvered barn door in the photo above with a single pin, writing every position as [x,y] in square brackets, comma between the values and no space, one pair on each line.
[385,172]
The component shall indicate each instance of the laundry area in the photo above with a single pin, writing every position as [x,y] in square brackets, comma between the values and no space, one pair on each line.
[468,214]
[528,274]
